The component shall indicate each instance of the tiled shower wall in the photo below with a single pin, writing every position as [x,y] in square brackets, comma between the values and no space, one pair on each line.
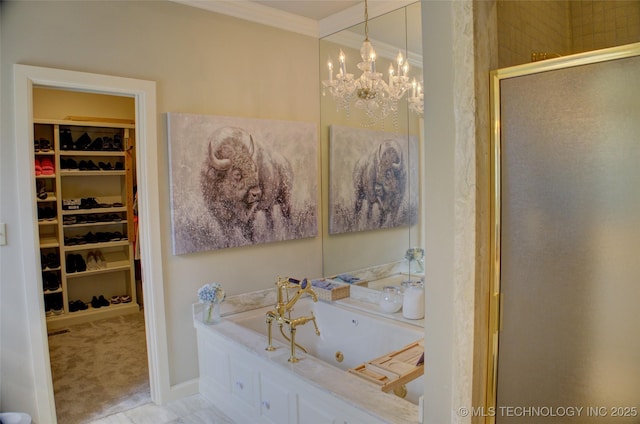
[600,24]
[530,30]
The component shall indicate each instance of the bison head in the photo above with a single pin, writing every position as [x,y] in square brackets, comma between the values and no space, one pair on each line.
[229,178]
[390,173]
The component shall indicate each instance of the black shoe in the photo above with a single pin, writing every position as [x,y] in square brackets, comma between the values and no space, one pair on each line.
[71,264]
[66,142]
[53,261]
[117,143]
[96,144]
[92,166]
[52,281]
[82,142]
[119,166]
[42,191]
[83,165]
[72,164]
[103,301]
[105,166]
[95,303]
[81,265]
[45,145]
[49,214]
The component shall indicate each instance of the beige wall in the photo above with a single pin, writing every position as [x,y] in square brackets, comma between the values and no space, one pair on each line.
[203,63]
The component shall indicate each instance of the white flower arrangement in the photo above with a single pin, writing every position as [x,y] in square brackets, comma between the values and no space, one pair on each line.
[212,292]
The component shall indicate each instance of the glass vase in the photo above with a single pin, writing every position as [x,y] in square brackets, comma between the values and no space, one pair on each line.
[211,313]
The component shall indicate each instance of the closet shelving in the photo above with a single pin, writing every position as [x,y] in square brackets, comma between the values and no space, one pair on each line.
[86,214]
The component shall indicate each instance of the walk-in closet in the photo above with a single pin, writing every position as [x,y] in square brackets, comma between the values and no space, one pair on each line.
[85,178]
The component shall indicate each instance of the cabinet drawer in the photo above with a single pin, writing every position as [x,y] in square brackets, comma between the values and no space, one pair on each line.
[242,383]
[275,403]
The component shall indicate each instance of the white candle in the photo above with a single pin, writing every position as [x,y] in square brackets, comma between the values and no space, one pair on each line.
[399,58]
[414,88]
[330,70]
[343,66]
[373,62]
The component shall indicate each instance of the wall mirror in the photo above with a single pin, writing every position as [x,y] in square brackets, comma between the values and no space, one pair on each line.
[355,242]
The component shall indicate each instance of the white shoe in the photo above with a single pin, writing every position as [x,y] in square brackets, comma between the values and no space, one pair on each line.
[92,264]
[100,260]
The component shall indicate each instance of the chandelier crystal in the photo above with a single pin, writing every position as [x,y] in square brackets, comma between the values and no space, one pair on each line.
[375,96]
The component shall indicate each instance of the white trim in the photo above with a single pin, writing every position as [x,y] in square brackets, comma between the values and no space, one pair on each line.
[258,13]
[144,92]
[255,12]
[355,15]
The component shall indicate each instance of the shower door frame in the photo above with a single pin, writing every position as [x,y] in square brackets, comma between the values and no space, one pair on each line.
[495,300]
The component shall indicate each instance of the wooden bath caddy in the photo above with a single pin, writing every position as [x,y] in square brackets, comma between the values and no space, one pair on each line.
[395,368]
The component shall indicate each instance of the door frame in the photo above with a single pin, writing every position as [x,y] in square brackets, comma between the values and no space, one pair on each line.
[495,299]
[144,94]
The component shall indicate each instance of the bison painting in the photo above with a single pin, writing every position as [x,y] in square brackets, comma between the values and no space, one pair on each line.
[371,183]
[241,181]
[380,179]
[241,178]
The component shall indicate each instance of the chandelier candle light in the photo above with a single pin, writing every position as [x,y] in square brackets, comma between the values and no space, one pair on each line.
[375,96]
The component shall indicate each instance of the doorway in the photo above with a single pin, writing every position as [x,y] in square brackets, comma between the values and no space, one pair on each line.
[566,234]
[93,304]
[143,92]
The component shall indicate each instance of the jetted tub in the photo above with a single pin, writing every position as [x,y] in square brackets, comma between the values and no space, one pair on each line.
[353,336]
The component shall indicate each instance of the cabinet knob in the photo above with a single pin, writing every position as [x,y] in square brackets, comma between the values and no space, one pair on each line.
[266,404]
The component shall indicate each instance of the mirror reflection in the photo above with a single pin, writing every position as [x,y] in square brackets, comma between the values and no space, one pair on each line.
[371,165]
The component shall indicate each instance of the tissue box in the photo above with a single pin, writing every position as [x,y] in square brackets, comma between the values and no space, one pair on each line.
[330,291]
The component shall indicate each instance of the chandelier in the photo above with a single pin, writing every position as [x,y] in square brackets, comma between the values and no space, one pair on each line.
[375,96]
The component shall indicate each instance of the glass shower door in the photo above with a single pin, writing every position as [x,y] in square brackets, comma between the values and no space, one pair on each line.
[569,345]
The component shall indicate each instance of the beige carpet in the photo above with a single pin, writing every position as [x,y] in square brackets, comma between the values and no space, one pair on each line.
[99,368]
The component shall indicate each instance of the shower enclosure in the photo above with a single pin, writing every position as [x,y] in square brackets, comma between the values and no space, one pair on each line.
[566,240]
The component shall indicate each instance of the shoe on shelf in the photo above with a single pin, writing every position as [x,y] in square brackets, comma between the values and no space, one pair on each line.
[96,144]
[103,301]
[125,299]
[82,142]
[49,214]
[91,166]
[71,263]
[119,166]
[92,265]
[42,191]
[53,261]
[105,166]
[100,260]
[45,145]
[66,142]
[69,219]
[36,145]
[43,261]
[115,300]
[47,166]
[95,303]
[81,265]
[117,143]
[52,281]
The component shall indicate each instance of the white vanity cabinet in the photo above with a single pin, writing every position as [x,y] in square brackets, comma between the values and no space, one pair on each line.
[277,403]
[252,385]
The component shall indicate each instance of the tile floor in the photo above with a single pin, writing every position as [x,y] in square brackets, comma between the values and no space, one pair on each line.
[190,410]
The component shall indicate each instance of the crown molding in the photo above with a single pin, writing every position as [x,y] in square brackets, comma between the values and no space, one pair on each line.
[355,15]
[258,13]
[255,12]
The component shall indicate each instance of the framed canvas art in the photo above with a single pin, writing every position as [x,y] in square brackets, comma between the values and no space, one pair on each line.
[373,180]
[241,181]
